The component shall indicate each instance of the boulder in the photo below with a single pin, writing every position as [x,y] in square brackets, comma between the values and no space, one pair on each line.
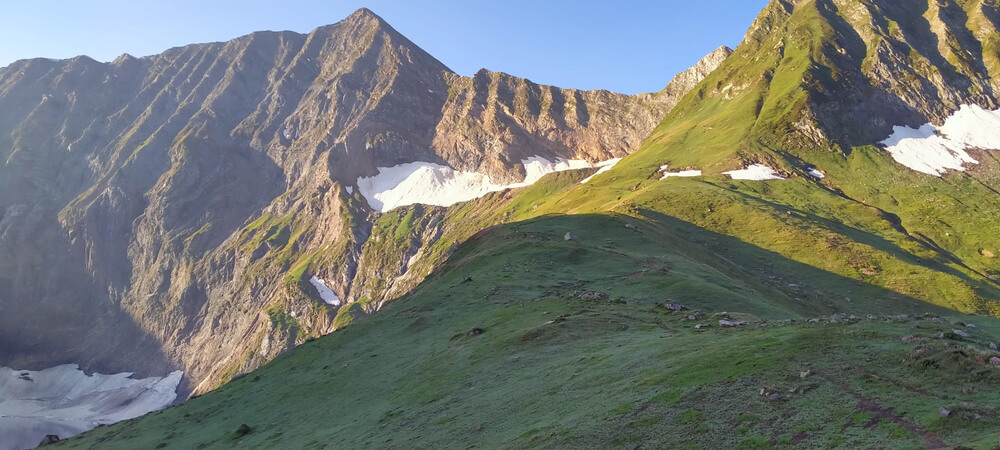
[960,333]
[673,306]
[732,323]
[593,295]
[48,439]
[475,331]
[570,237]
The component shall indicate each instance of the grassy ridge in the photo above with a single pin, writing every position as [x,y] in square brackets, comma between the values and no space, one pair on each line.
[554,366]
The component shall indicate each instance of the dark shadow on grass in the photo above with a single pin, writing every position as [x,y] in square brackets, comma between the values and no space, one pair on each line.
[983,286]
[770,280]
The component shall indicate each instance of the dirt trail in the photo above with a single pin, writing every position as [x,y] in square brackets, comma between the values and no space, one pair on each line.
[931,440]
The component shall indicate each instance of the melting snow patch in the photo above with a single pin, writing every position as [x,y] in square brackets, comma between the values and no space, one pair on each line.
[63,400]
[816,173]
[350,190]
[325,292]
[683,173]
[756,172]
[935,150]
[434,184]
[604,167]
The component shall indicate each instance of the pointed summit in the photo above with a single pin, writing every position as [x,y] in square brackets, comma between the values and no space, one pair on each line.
[363,15]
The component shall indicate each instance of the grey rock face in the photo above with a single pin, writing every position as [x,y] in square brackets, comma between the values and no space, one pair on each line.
[155,207]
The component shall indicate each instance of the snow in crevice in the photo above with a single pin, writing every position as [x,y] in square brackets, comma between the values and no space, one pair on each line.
[682,174]
[350,190]
[65,401]
[434,184]
[325,292]
[755,172]
[604,167]
[935,150]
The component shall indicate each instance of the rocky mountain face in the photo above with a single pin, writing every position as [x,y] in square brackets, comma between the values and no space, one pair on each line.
[169,211]
[867,66]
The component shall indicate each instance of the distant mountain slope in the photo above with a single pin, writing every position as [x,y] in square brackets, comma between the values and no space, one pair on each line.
[168,211]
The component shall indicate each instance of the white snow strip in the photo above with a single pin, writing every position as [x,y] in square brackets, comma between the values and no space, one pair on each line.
[434,184]
[935,150]
[325,292]
[683,173]
[756,172]
[816,173]
[604,167]
[64,401]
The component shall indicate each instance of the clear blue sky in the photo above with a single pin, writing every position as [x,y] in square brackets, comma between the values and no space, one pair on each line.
[626,46]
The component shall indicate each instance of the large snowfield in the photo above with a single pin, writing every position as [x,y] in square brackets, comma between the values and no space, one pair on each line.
[434,184]
[65,401]
[935,150]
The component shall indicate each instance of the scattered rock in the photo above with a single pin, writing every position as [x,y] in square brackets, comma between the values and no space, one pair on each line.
[972,326]
[733,323]
[909,338]
[993,346]
[944,412]
[570,237]
[775,397]
[630,226]
[995,360]
[692,317]
[805,374]
[467,280]
[960,333]
[48,439]
[673,306]
[949,335]
[243,430]
[701,326]
[475,331]
[593,295]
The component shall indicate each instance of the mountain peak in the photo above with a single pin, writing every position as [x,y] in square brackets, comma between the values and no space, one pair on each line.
[364,15]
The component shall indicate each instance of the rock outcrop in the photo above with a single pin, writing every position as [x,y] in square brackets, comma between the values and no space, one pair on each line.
[167,211]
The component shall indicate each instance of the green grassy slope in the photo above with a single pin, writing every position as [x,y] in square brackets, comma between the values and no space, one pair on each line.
[557,367]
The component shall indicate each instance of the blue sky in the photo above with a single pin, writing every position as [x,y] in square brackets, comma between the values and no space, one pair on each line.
[625,46]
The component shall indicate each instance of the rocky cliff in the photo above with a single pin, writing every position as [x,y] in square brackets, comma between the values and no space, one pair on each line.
[169,211]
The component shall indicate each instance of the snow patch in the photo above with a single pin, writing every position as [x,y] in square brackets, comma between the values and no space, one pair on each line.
[935,150]
[434,184]
[350,190]
[683,173]
[65,401]
[755,172]
[604,167]
[816,173]
[325,292]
